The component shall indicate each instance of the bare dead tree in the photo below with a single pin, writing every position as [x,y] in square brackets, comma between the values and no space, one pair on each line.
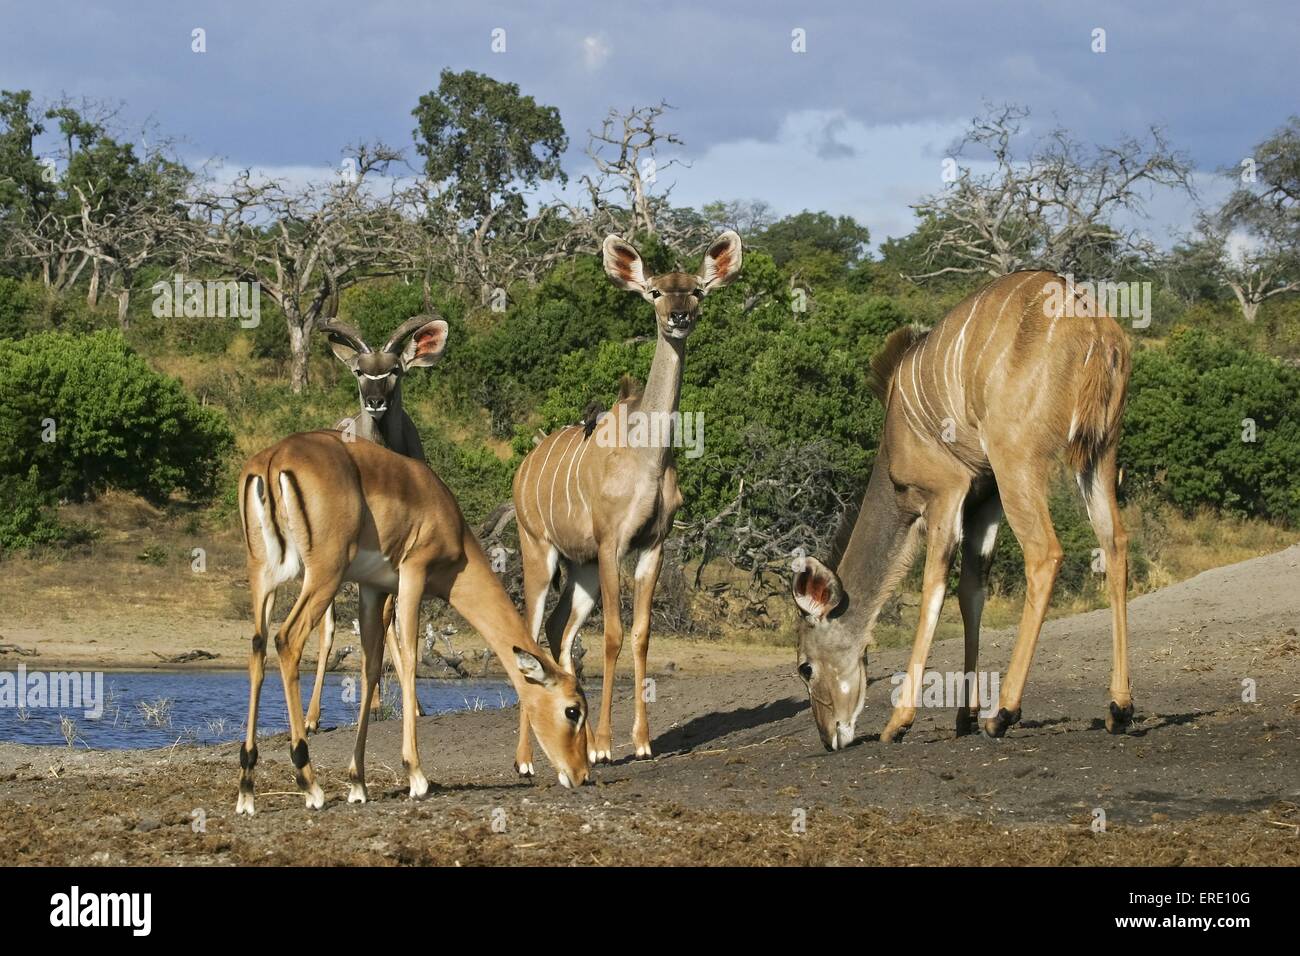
[305,245]
[1054,208]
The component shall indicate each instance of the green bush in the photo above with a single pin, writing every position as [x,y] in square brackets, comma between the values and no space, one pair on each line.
[27,519]
[1192,409]
[88,413]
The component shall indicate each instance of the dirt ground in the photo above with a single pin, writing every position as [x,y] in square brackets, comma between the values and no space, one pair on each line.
[1204,777]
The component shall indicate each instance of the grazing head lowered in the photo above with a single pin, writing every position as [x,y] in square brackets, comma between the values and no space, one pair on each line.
[832,653]
[676,296]
[418,342]
[557,712]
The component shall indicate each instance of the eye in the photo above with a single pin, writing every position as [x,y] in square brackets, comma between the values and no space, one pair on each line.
[805,671]
[698,293]
[356,372]
[573,713]
[655,293]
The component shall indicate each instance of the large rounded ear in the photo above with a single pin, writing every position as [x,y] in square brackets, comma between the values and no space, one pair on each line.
[721,261]
[345,342]
[623,266]
[531,666]
[425,345]
[817,588]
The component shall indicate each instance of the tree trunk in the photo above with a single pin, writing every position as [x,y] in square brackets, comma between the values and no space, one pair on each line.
[92,293]
[297,355]
[123,303]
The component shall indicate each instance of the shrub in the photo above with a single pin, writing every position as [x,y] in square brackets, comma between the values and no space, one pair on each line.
[1192,409]
[87,413]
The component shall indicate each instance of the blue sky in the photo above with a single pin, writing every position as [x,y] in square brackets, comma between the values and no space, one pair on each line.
[857,125]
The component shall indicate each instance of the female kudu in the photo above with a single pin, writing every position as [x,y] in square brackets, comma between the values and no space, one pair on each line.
[977,412]
[589,499]
[353,511]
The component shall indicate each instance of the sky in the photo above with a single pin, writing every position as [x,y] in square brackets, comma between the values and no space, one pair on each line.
[858,124]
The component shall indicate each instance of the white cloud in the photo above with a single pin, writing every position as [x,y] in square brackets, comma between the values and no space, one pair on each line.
[595,51]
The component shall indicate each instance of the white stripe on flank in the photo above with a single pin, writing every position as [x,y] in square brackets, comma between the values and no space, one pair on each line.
[577,473]
[558,465]
[541,515]
[568,482]
[997,323]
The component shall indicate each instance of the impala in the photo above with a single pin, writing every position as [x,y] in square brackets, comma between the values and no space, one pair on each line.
[588,502]
[417,342]
[978,411]
[353,511]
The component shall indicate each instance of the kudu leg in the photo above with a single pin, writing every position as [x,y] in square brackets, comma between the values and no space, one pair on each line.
[1099,494]
[611,610]
[410,588]
[263,597]
[942,527]
[322,661]
[1031,521]
[979,535]
[289,642]
[577,602]
[370,612]
[647,576]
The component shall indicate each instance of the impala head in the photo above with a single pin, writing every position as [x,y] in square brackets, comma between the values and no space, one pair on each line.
[417,342]
[832,661]
[557,711]
[676,296]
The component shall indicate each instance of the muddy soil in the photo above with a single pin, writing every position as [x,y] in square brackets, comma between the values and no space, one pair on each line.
[1209,774]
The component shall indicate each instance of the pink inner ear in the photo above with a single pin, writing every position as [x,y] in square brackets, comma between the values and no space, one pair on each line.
[427,341]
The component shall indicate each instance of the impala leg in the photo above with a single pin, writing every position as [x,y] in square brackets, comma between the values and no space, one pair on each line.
[1099,494]
[410,589]
[979,535]
[1030,520]
[372,665]
[942,529]
[612,612]
[647,576]
[263,597]
[289,642]
[539,563]
[326,646]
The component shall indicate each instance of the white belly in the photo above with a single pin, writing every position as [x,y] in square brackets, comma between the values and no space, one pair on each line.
[373,569]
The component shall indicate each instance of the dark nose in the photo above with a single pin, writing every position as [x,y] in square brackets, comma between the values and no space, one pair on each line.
[679,318]
[375,402]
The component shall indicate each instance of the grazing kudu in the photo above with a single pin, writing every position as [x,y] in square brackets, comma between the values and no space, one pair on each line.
[977,412]
[588,497]
[418,342]
[353,511]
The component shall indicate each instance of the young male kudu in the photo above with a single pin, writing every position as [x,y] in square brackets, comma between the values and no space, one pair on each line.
[417,343]
[353,511]
[588,501]
[977,412]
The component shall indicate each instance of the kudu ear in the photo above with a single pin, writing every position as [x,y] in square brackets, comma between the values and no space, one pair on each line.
[721,261]
[532,668]
[425,345]
[817,588]
[345,342]
[624,267]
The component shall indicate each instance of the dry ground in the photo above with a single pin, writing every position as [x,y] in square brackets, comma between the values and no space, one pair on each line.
[1204,777]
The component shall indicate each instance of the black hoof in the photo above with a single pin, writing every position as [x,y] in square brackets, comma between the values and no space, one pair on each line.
[997,725]
[896,737]
[967,722]
[1119,718]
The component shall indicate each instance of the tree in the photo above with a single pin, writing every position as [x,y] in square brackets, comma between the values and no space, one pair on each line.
[483,144]
[304,246]
[1264,213]
[1054,208]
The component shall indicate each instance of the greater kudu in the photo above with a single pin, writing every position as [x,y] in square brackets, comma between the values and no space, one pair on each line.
[590,499]
[977,413]
[416,343]
[340,511]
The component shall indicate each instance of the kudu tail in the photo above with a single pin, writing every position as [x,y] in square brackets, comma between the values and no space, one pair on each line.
[1099,403]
